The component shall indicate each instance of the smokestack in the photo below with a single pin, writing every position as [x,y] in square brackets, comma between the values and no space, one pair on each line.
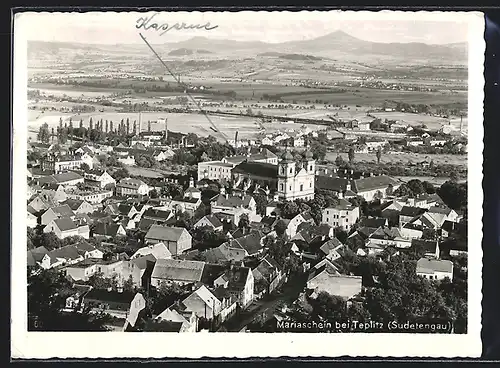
[461,116]
[166,129]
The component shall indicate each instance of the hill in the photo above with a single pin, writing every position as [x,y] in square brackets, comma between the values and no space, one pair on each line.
[188,52]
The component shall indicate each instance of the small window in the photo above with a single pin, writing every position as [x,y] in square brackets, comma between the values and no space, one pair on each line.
[310,168]
[290,187]
[281,187]
[291,170]
[301,187]
[327,212]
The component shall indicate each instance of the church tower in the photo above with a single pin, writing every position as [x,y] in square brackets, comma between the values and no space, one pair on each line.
[286,175]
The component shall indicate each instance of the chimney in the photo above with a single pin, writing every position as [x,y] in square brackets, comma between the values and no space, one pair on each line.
[340,195]
[120,289]
[223,190]
[109,289]
[326,170]
[191,182]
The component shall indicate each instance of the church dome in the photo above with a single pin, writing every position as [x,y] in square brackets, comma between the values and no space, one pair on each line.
[287,156]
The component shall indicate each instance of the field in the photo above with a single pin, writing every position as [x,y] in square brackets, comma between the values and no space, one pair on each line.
[185,123]
[402,158]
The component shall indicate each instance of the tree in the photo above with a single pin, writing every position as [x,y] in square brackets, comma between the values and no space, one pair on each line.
[428,187]
[44,134]
[91,124]
[153,193]
[454,195]
[379,155]
[416,187]
[318,151]
[280,228]
[351,155]
[289,210]
[261,203]
[244,221]
[128,126]
[47,293]
[149,125]
[339,161]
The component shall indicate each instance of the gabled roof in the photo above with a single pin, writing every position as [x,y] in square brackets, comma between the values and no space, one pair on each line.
[214,221]
[165,233]
[130,183]
[84,246]
[178,270]
[374,222]
[331,183]
[429,266]
[66,176]
[158,215]
[69,252]
[250,243]
[426,245]
[237,277]
[159,251]
[373,182]
[441,210]
[74,204]
[103,228]
[65,224]
[412,211]
[63,211]
[232,201]
[262,169]
[330,245]
[145,224]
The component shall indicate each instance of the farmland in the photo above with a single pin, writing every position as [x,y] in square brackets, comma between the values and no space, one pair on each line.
[403,158]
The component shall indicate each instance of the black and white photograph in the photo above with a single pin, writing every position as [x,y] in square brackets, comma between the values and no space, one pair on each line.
[247,184]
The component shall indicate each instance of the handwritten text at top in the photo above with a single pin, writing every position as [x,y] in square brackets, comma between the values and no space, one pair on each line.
[147,23]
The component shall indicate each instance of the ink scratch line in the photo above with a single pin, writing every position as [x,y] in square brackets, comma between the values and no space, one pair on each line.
[178,80]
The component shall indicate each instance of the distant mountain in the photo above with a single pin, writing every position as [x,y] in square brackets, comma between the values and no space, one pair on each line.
[337,45]
[289,56]
[188,52]
[337,41]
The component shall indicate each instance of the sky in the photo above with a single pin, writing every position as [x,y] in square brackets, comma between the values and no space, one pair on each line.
[120,27]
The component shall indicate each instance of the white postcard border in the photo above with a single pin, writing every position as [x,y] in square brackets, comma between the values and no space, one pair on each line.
[171,345]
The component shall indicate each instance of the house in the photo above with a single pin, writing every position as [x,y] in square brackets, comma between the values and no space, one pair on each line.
[64,227]
[158,251]
[66,255]
[87,250]
[192,192]
[32,220]
[343,215]
[176,319]
[434,269]
[203,303]
[62,163]
[408,213]
[233,207]
[131,187]
[176,239]
[215,170]
[93,196]
[210,221]
[54,213]
[113,302]
[68,178]
[157,215]
[430,247]
[79,206]
[446,213]
[82,270]
[327,279]
[36,255]
[364,125]
[308,234]
[450,227]
[245,246]
[99,178]
[239,282]
[267,275]
[330,249]
[184,204]
[374,187]
[176,271]
[373,222]
[105,230]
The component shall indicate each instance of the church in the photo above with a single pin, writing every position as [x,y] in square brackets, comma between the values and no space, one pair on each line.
[290,180]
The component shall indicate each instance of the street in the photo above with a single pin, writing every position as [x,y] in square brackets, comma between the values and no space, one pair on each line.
[266,306]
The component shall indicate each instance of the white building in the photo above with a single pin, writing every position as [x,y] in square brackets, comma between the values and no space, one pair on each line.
[434,269]
[293,182]
[343,215]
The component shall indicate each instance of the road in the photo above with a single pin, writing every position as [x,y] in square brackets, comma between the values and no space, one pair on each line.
[267,305]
